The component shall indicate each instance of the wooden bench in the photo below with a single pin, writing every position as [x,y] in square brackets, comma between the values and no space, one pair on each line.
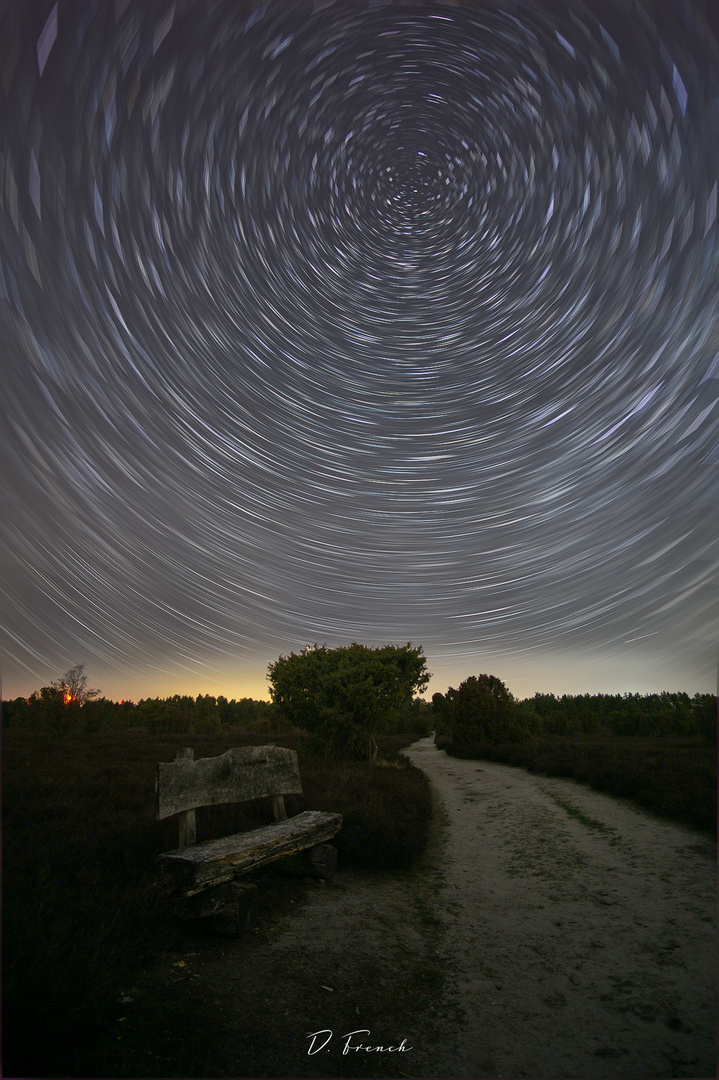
[240,775]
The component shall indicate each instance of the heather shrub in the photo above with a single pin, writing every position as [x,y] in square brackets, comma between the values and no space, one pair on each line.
[386,811]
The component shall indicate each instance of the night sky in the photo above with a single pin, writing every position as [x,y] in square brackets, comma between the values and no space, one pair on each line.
[359,321]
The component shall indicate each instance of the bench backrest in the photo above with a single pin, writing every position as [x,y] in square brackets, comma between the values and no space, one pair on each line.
[239,775]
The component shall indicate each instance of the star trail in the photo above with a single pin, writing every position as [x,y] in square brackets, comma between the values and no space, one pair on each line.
[359,321]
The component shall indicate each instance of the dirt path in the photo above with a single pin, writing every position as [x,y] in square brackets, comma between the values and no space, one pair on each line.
[580,932]
[549,931]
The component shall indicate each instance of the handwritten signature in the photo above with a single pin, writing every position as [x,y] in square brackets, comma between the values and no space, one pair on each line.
[349,1045]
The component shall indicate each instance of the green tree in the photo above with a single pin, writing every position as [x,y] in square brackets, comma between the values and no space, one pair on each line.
[442,713]
[344,696]
[150,715]
[49,710]
[207,714]
[254,715]
[417,718]
[529,719]
[705,715]
[483,710]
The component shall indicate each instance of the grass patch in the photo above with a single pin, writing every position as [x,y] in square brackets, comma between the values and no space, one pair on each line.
[585,819]
[82,912]
[675,778]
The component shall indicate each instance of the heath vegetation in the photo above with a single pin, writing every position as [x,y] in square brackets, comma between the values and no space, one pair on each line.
[82,908]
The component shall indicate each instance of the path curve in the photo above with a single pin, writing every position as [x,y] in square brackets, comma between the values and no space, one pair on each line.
[580,932]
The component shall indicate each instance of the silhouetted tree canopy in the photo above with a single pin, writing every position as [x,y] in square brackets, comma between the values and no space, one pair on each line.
[73,687]
[483,710]
[345,695]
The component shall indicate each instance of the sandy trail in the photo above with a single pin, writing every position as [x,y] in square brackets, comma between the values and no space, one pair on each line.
[580,932]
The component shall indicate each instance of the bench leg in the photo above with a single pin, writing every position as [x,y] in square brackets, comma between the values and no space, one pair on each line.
[228,911]
[319,861]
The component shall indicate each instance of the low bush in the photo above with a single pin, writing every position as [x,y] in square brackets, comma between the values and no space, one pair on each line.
[673,777]
[386,812]
[80,845]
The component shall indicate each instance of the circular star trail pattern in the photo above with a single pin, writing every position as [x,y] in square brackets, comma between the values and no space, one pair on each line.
[358,321]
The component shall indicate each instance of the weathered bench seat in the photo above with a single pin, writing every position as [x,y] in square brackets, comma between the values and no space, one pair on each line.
[217,861]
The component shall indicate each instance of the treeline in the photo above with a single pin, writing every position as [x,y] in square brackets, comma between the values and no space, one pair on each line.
[665,714]
[46,710]
[483,709]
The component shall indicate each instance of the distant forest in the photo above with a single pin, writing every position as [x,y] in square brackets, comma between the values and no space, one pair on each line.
[671,715]
[46,710]
[664,714]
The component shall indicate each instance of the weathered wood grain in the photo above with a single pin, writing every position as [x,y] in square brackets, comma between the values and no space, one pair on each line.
[278,807]
[319,861]
[186,822]
[241,774]
[205,865]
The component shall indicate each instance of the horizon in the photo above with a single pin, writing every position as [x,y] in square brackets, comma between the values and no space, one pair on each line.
[167,684]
